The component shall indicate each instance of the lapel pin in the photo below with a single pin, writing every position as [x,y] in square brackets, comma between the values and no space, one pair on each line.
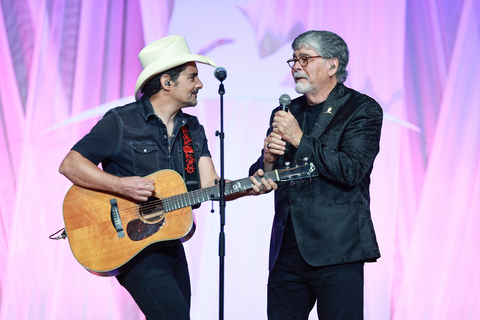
[329,110]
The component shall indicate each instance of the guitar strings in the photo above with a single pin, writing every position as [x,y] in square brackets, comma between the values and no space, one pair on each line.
[176,201]
[183,200]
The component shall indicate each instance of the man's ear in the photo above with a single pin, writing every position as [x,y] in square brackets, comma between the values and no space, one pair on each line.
[165,81]
[333,63]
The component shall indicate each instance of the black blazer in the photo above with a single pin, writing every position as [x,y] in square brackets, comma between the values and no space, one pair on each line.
[330,213]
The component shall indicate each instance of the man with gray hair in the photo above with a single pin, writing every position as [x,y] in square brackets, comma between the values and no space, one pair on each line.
[322,230]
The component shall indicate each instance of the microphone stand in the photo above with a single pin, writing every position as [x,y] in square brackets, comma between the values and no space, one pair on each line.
[221,244]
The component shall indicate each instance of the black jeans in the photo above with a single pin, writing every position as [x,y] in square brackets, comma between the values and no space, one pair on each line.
[160,284]
[294,286]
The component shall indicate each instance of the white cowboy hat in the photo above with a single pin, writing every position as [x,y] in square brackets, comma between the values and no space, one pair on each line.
[163,55]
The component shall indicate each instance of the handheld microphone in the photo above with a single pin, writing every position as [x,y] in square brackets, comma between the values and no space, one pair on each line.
[220,73]
[284,101]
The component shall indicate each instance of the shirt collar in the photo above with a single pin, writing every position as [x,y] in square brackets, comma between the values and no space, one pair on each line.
[147,110]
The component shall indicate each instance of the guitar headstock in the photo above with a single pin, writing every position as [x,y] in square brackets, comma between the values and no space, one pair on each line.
[299,171]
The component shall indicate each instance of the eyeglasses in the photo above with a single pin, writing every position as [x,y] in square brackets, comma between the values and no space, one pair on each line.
[303,60]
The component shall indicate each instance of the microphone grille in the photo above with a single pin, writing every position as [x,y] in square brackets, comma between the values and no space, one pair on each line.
[220,73]
[285,99]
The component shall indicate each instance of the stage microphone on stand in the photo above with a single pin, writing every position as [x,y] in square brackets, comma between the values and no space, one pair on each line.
[220,73]
[284,101]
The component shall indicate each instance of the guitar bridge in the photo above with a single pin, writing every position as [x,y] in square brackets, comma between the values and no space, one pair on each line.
[116,220]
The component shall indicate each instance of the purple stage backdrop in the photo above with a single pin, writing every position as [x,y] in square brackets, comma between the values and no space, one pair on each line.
[64,63]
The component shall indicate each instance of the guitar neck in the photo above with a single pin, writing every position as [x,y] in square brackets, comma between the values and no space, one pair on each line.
[212,193]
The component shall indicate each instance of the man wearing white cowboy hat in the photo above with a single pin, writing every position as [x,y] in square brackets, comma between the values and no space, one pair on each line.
[141,138]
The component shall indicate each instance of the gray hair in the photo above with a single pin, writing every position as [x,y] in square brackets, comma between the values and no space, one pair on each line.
[328,45]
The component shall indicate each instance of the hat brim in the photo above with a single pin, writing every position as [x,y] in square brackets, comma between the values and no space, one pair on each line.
[166,63]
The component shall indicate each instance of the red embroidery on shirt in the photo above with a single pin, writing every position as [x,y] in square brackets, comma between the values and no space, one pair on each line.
[188,150]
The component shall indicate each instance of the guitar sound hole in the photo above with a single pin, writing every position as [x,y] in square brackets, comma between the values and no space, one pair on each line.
[151,211]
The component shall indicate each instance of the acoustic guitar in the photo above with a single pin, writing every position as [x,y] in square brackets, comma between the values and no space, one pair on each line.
[107,231]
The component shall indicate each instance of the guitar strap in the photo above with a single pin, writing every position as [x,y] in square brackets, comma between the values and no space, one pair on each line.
[190,168]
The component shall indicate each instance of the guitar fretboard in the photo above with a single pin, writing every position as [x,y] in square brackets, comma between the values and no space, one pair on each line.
[212,193]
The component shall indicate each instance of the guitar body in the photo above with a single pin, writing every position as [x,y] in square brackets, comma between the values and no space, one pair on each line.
[107,232]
